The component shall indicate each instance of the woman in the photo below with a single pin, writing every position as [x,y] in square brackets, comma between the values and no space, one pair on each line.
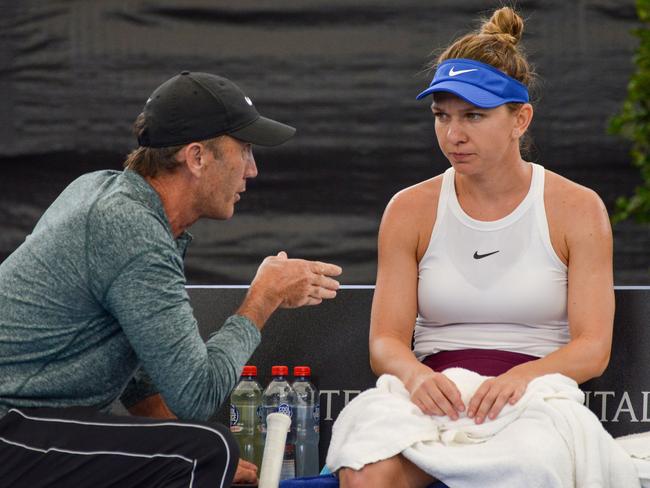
[497,265]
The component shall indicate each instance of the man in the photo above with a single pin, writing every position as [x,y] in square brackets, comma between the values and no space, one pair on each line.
[94,299]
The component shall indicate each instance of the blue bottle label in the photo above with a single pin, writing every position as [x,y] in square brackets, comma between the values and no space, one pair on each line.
[234,419]
[285,409]
[261,419]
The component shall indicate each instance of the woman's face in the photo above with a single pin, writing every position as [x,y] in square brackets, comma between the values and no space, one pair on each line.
[474,139]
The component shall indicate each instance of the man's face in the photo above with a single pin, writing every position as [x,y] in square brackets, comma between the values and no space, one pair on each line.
[224,177]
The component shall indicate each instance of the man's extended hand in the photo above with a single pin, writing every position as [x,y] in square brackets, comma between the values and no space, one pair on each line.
[298,282]
[288,283]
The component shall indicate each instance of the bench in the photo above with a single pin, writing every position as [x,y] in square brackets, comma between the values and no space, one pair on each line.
[332,338]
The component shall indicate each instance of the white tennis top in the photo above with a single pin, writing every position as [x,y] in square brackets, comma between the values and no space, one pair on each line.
[491,285]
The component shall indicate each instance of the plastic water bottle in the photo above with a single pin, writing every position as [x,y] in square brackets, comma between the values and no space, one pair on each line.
[280,397]
[307,417]
[245,400]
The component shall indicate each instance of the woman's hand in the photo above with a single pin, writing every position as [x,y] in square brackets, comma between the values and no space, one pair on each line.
[434,393]
[494,393]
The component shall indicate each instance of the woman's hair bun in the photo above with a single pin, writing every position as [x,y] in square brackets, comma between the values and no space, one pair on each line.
[504,24]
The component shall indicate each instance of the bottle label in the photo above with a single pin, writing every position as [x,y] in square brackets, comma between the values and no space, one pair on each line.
[234,419]
[288,469]
[261,419]
[285,409]
[316,416]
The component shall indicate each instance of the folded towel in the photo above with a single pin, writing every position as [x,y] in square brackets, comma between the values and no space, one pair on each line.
[638,446]
[547,439]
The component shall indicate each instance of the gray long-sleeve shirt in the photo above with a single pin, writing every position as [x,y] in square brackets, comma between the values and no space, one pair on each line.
[97,291]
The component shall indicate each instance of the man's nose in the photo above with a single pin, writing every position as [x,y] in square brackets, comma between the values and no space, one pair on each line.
[251,168]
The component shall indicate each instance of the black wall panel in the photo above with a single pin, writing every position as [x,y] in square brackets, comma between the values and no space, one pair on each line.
[75,74]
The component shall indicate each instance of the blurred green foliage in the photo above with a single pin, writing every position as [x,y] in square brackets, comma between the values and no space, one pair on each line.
[633,123]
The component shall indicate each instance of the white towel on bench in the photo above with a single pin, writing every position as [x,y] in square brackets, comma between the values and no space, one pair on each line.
[638,446]
[548,439]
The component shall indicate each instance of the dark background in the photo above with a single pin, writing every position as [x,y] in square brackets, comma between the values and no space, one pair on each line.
[75,74]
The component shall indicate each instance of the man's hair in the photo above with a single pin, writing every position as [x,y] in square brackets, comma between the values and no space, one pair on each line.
[150,161]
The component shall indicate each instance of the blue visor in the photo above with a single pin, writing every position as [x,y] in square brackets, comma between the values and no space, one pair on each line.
[477,83]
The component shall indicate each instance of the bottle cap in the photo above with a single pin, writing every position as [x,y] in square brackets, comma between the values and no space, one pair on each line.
[249,370]
[301,371]
[279,371]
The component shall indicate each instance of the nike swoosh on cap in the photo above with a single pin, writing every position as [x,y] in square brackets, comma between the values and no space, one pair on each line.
[460,72]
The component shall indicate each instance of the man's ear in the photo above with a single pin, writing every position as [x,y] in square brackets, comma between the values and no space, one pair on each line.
[191,156]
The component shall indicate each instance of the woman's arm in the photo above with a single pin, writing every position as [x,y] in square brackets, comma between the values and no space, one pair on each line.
[394,310]
[590,302]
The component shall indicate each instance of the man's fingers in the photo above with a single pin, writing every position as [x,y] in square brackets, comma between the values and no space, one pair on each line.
[247,465]
[323,293]
[244,474]
[326,269]
[325,282]
[312,301]
[319,293]
[282,255]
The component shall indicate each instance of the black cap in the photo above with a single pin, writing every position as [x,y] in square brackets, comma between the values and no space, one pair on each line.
[195,106]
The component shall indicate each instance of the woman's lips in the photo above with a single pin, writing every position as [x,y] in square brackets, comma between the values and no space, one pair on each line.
[458,156]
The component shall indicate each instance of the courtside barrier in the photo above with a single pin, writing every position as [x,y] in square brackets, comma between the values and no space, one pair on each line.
[332,338]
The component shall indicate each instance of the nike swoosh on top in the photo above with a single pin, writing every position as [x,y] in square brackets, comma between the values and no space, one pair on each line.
[481,256]
[460,72]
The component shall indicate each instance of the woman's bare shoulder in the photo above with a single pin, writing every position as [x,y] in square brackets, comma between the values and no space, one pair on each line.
[410,215]
[412,200]
[568,195]
[574,207]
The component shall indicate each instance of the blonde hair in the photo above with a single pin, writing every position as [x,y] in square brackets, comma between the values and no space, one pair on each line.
[496,43]
[150,161]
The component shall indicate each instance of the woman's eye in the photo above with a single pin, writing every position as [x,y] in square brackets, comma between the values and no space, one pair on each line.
[440,115]
[474,116]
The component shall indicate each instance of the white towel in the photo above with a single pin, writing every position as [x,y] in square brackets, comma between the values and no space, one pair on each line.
[547,439]
[638,446]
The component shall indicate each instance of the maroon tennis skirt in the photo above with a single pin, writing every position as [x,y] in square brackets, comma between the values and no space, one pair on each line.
[487,362]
